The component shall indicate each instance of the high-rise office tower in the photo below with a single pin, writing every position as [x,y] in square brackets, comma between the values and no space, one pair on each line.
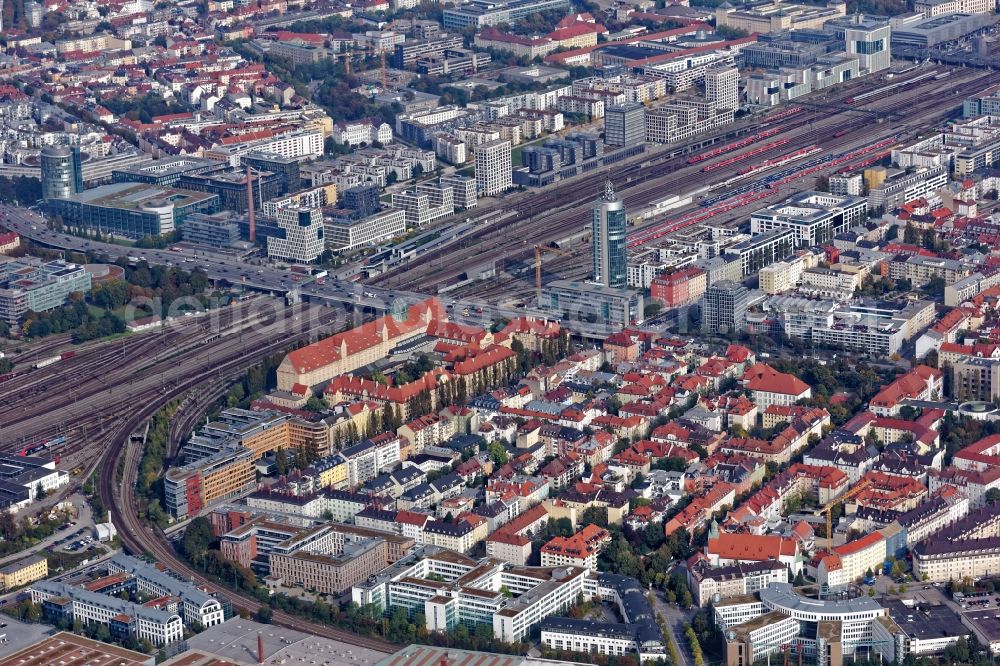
[724,309]
[625,124]
[868,38]
[609,230]
[493,168]
[722,86]
[61,172]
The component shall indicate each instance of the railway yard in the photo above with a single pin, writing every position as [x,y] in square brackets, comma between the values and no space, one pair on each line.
[839,132]
[89,405]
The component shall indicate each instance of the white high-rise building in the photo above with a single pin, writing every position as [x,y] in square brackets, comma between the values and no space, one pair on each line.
[868,39]
[722,86]
[303,237]
[493,168]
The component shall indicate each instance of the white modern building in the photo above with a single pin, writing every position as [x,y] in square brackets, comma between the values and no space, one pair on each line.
[814,217]
[366,131]
[493,168]
[302,240]
[349,233]
[199,607]
[76,604]
[784,619]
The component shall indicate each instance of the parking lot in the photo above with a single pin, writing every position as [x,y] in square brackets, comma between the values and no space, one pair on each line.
[77,541]
[979,601]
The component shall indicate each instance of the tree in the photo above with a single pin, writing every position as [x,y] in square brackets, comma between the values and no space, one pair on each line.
[993,495]
[197,538]
[281,462]
[498,454]
[264,614]
[39,492]
[316,404]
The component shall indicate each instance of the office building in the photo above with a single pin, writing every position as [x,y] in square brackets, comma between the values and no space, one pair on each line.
[472,593]
[493,168]
[31,284]
[67,603]
[758,627]
[411,50]
[23,571]
[362,199]
[814,217]
[482,12]
[426,204]
[300,236]
[778,16]
[219,230]
[930,8]
[587,301]
[937,29]
[218,461]
[463,190]
[189,488]
[609,229]
[868,40]
[286,168]
[724,309]
[61,173]
[231,188]
[348,232]
[334,572]
[722,86]
[638,633]
[132,210]
[625,124]
[197,607]
[166,172]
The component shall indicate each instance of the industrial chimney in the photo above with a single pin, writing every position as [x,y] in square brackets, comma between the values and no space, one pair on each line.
[260,639]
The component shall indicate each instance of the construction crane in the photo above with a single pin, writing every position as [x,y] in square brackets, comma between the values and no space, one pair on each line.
[828,507]
[539,250]
[385,73]
[346,55]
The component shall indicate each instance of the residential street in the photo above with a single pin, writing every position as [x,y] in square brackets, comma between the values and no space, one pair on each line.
[676,619]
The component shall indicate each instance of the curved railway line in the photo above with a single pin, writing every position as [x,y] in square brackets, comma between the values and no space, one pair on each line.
[120,497]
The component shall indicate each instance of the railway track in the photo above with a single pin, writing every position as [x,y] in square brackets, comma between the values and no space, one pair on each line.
[140,539]
[564,219]
[569,267]
[89,415]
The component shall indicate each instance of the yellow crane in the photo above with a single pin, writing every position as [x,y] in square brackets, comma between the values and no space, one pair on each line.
[828,507]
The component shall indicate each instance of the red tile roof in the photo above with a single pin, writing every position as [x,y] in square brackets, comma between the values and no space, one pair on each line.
[858,545]
[751,547]
[334,348]
[764,378]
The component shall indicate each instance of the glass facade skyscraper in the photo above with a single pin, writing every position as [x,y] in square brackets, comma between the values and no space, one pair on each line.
[62,175]
[609,230]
